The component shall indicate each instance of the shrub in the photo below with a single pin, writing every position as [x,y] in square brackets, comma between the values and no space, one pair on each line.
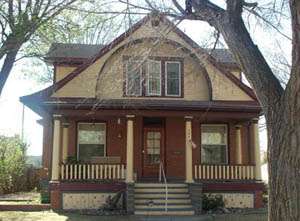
[212,202]
[12,162]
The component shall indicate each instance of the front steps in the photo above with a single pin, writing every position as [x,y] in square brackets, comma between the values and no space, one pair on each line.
[149,199]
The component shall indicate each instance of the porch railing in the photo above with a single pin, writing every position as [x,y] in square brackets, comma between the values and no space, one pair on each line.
[92,171]
[224,172]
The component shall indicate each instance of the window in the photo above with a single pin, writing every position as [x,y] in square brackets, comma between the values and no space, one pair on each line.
[91,140]
[154,78]
[133,78]
[153,147]
[173,79]
[214,144]
[157,76]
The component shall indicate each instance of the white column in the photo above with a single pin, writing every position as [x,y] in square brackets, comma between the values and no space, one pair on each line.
[256,149]
[188,150]
[65,141]
[56,148]
[238,144]
[129,150]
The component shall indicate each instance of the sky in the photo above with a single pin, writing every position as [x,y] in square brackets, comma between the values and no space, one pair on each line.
[17,86]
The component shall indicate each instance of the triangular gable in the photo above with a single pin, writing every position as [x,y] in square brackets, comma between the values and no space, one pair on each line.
[138,31]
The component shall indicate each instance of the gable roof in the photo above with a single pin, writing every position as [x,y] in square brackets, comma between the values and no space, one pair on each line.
[41,95]
[61,51]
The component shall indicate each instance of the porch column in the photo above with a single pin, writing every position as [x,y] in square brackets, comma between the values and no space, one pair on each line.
[65,141]
[56,148]
[256,149]
[238,144]
[129,150]
[188,150]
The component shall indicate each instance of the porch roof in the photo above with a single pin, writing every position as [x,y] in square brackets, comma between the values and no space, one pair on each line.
[143,104]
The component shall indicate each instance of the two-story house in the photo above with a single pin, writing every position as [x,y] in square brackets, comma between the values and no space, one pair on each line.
[152,114]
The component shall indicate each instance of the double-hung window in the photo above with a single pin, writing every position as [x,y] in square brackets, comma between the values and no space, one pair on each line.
[91,140]
[134,78]
[214,143]
[173,78]
[154,78]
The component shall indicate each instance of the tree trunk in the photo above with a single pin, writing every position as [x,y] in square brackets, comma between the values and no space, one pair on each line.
[7,66]
[281,108]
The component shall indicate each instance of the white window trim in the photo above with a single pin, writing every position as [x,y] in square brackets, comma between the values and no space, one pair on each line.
[160,78]
[141,81]
[104,155]
[166,78]
[226,126]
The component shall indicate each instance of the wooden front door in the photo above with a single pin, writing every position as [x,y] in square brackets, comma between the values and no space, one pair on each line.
[153,151]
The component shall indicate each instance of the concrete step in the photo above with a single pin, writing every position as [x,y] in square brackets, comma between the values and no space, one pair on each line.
[161,196]
[162,206]
[151,185]
[159,201]
[165,213]
[160,190]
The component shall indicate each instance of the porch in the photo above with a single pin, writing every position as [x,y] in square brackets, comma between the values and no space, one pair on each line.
[180,149]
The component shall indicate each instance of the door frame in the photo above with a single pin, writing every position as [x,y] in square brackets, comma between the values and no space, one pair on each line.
[160,128]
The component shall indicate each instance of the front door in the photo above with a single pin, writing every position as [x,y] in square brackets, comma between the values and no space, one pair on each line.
[153,151]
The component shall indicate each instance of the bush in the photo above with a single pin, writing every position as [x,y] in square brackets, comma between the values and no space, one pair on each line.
[212,202]
[12,163]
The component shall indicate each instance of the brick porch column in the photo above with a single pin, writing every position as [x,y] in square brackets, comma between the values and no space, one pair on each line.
[129,150]
[56,147]
[255,132]
[65,141]
[238,144]
[188,150]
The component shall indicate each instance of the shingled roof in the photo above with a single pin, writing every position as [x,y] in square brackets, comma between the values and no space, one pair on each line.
[59,51]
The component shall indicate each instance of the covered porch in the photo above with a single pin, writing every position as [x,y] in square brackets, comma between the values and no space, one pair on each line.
[135,143]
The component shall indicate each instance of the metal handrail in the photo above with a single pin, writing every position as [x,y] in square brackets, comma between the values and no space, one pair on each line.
[162,172]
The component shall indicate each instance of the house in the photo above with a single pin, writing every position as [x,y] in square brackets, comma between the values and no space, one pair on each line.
[151,114]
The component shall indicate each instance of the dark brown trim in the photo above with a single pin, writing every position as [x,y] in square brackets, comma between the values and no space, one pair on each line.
[215,186]
[88,186]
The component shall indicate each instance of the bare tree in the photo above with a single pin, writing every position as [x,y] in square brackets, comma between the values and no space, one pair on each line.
[281,104]
[19,20]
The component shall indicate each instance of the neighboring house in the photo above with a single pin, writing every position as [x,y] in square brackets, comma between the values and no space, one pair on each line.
[150,104]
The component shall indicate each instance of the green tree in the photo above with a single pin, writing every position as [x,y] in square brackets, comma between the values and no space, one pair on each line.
[12,161]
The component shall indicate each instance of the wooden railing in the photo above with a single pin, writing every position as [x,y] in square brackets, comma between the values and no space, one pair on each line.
[92,172]
[224,172]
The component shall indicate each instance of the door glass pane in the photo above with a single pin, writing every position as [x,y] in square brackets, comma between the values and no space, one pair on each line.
[153,147]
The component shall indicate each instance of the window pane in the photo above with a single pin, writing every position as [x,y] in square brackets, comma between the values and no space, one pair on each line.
[133,81]
[214,144]
[154,78]
[173,78]
[91,140]
[213,154]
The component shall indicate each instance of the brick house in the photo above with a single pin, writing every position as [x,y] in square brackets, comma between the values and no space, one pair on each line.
[148,111]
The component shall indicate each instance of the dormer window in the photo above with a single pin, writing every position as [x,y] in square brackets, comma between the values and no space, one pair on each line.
[155,77]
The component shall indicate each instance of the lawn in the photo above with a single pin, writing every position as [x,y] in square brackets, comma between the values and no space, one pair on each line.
[52,216]
[20,198]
